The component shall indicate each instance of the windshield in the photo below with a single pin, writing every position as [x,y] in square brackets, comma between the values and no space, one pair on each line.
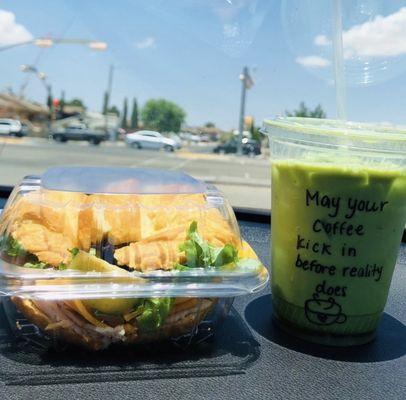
[195,78]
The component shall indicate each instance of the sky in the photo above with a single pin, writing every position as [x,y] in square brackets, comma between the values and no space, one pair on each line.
[192,52]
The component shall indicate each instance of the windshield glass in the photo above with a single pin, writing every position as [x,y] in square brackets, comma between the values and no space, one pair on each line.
[195,78]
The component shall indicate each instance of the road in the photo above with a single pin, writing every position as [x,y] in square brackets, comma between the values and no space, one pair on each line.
[245,181]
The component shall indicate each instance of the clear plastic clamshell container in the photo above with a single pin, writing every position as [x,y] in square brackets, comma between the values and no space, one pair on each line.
[95,256]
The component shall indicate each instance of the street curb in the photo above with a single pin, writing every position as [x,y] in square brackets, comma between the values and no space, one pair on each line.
[231,181]
[243,160]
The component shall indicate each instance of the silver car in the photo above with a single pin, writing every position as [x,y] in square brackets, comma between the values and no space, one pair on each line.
[151,140]
[11,127]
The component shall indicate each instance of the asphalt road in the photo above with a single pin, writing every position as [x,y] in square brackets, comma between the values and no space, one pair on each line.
[245,181]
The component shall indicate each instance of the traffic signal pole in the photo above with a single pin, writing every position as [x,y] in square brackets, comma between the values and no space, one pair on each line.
[247,83]
[243,78]
[108,95]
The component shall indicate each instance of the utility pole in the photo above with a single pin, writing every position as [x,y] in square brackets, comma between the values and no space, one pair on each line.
[32,69]
[108,94]
[62,103]
[247,83]
[48,88]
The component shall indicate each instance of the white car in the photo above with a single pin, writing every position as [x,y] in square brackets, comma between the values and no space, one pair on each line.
[11,127]
[189,137]
[151,140]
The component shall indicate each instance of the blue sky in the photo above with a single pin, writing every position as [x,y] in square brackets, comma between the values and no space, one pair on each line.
[192,51]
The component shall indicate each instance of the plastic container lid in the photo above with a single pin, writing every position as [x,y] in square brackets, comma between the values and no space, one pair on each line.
[379,138]
[108,180]
[120,232]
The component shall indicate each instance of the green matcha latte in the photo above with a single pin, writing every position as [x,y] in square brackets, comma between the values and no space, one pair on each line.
[337,222]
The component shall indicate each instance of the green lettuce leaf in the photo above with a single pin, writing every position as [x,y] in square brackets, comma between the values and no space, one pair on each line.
[37,265]
[180,267]
[62,266]
[74,251]
[228,254]
[42,265]
[154,312]
[12,247]
[198,252]
[201,254]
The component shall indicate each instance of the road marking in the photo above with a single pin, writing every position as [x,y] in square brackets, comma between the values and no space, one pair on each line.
[203,156]
[180,165]
[18,141]
[148,161]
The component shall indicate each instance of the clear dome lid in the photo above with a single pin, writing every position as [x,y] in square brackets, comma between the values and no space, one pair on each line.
[116,180]
[80,232]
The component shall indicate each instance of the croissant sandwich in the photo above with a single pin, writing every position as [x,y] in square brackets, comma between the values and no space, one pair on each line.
[123,236]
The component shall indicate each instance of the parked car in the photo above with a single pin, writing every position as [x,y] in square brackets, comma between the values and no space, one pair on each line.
[12,127]
[205,138]
[151,140]
[189,137]
[78,132]
[24,129]
[250,147]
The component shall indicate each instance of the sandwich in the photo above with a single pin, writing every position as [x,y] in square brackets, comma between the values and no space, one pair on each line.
[123,236]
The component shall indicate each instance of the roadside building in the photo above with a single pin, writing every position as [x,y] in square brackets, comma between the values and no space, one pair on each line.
[33,114]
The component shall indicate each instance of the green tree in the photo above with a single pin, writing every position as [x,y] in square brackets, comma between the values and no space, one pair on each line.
[305,112]
[256,134]
[134,115]
[75,102]
[162,115]
[125,112]
[254,130]
[318,112]
[209,125]
[113,110]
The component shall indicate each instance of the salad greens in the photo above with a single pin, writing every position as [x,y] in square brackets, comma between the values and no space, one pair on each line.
[12,247]
[154,312]
[74,251]
[38,265]
[150,313]
[42,265]
[201,254]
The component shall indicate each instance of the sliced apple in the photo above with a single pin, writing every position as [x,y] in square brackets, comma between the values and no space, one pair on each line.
[87,262]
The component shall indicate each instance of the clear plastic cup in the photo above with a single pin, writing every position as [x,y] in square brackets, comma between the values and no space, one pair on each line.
[338,214]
